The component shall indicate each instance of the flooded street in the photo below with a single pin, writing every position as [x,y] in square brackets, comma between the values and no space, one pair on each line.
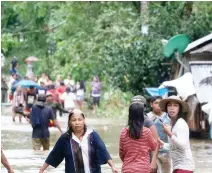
[16,141]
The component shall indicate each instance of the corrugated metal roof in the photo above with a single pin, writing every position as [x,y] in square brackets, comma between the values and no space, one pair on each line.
[198,42]
[202,76]
[200,62]
[206,48]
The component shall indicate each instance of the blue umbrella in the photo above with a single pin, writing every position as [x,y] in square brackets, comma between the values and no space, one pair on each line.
[26,84]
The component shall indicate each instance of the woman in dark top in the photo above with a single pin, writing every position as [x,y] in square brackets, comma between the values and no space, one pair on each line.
[83,149]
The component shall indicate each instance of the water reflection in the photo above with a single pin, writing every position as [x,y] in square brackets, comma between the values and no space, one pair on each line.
[16,140]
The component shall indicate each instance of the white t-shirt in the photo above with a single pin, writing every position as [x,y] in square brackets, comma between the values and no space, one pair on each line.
[42,80]
[68,82]
[31,99]
[41,92]
[80,92]
[68,100]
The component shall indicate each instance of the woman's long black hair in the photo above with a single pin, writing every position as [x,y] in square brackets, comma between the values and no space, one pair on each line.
[69,128]
[82,85]
[136,120]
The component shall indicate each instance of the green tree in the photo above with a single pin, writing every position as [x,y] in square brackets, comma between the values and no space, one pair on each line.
[100,38]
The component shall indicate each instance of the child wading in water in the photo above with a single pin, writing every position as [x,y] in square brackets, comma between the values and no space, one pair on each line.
[158,116]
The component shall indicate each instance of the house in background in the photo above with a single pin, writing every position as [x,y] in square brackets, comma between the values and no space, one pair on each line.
[191,78]
[197,59]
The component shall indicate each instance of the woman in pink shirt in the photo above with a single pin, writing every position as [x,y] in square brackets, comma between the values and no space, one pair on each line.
[136,142]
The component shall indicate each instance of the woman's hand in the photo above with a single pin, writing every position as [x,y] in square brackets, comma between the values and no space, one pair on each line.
[161,143]
[114,170]
[61,132]
[110,163]
[10,170]
[41,171]
[45,165]
[153,167]
[167,130]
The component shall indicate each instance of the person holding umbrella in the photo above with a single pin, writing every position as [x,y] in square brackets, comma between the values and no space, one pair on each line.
[29,93]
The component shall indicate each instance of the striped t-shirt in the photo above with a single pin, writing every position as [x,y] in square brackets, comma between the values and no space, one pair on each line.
[135,153]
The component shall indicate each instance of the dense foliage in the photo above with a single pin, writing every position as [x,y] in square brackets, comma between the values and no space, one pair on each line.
[100,38]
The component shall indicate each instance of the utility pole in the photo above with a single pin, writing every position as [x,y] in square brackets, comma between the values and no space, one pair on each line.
[144,17]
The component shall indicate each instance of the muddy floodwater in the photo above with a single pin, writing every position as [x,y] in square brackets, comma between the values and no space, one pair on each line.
[16,142]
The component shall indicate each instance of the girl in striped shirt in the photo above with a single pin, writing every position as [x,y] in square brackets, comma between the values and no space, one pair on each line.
[136,141]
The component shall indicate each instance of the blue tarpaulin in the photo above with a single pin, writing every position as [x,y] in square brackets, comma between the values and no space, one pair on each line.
[157,92]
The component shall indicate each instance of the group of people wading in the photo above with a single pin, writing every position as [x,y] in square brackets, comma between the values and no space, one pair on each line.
[62,95]
[156,142]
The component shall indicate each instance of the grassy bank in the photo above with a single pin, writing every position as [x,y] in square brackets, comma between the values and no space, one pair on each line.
[113,103]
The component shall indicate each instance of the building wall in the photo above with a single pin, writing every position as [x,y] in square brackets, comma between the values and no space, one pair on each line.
[198,122]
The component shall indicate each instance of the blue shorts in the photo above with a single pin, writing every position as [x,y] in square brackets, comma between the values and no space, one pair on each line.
[12,71]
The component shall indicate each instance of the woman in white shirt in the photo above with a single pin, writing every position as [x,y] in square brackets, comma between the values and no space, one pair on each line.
[69,81]
[69,99]
[179,144]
